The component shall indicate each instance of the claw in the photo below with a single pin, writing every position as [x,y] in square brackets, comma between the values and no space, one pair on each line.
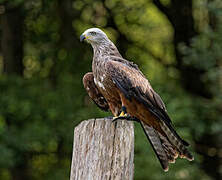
[123,116]
[128,118]
[119,118]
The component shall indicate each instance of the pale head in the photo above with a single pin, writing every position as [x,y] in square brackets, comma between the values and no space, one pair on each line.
[94,36]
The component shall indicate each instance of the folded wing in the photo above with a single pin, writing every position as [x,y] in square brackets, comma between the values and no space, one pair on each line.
[136,89]
[93,92]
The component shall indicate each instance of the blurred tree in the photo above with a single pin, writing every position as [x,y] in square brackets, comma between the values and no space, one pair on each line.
[180,14]
[12,23]
[204,54]
[42,98]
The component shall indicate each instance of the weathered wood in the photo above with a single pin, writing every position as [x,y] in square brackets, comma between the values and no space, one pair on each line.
[103,150]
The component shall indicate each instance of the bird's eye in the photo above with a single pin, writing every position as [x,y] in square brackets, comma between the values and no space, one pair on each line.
[93,33]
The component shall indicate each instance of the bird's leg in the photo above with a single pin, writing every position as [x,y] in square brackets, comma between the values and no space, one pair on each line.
[123,115]
[123,112]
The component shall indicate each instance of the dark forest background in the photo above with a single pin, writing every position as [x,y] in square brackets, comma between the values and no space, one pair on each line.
[176,43]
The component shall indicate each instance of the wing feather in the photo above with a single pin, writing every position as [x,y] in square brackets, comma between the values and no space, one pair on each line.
[134,85]
[93,92]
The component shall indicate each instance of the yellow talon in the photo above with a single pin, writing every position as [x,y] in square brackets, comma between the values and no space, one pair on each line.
[122,114]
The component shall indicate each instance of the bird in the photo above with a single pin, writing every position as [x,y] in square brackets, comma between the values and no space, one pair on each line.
[118,85]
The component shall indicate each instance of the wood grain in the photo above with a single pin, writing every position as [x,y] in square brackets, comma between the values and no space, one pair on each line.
[103,150]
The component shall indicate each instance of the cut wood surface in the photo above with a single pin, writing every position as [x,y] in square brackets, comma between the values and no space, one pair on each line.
[103,150]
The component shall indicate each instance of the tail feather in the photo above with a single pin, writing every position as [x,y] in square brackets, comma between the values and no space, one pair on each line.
[171,152]
[152,136]
[167,148]
[177,142]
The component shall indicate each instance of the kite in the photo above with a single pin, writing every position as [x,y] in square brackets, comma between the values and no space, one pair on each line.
[118,85]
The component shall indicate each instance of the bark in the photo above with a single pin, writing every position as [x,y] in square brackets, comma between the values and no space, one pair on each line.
[12,23]
[103,150]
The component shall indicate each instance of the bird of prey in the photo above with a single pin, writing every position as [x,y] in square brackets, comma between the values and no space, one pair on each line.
[118,85]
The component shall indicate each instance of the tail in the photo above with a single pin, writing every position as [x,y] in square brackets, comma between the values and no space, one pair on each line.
[166,151]
[176,141]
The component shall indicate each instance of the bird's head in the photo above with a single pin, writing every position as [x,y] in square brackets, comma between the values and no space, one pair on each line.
[94,36]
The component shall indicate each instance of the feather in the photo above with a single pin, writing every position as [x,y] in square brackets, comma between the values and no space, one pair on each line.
[155,142]
[93,92]
[145,99]
[125,85]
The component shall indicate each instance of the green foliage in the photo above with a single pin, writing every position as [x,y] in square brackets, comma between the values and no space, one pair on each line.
[205,54]
[39,111]
[37,121]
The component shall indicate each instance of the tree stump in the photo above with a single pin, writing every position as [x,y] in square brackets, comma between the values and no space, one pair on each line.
[103,150]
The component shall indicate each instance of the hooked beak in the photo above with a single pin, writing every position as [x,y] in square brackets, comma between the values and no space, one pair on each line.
[82,37]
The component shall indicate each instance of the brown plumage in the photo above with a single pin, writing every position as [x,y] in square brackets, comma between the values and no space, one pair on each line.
[121,83]
[93,91]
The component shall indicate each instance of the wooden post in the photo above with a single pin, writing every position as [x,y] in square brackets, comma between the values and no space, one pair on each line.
[103,150]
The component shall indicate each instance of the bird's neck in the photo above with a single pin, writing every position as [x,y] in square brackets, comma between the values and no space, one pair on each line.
[105,49]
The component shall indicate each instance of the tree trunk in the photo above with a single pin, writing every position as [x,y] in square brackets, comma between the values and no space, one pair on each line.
[67,43]
[103,150]
[12,22]
[180,15]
